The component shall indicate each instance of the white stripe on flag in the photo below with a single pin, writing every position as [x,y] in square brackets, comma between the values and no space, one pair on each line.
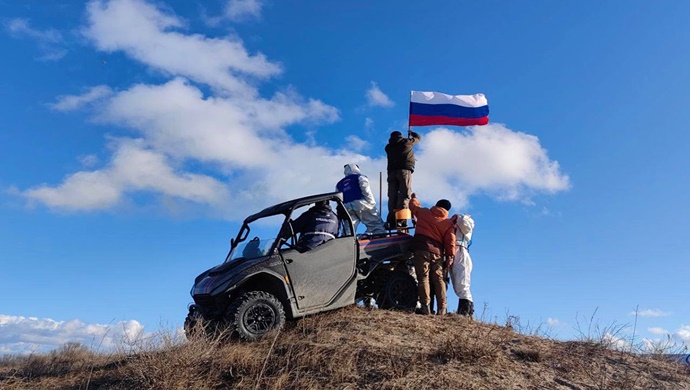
[476,100]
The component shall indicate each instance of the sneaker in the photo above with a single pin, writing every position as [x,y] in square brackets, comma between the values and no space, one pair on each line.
[402,223]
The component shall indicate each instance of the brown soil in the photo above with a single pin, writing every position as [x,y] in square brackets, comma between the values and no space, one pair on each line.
[354,348]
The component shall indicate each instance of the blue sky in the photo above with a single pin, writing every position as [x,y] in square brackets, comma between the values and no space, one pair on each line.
[136,134]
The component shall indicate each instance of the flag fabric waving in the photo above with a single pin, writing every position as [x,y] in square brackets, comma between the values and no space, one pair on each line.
[434,108]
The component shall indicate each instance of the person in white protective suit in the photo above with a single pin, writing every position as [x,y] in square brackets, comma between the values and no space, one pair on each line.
[462,265]
[359,200]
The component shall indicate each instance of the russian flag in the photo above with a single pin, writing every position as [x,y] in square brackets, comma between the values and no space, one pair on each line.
[434,108]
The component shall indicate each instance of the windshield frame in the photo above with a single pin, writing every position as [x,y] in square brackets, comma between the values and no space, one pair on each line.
[241,242]
[286,209]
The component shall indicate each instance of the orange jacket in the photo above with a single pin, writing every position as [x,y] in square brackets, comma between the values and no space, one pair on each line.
[436,230]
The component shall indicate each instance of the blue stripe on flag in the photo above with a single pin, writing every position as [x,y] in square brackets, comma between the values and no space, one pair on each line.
[448,110]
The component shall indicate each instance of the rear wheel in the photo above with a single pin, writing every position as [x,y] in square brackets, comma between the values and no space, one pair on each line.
[397,291]
[255,313]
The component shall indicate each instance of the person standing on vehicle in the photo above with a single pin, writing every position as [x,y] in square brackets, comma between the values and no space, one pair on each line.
[359,200]
[462,266]
[433,245]
[400,168]
[315,226]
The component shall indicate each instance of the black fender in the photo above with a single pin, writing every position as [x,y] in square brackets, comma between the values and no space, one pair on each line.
[268,281]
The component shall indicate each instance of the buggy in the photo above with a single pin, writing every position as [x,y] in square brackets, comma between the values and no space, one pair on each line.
[264,281]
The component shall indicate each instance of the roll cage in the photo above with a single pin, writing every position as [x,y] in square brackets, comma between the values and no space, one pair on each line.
[345,225]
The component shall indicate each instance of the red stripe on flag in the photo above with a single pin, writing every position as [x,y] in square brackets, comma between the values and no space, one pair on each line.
[420,120]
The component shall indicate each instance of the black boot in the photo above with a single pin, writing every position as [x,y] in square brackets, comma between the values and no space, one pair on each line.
[424,310]
[390,221]
[465,307]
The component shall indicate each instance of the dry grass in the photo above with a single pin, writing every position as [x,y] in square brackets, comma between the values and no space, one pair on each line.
[354,348]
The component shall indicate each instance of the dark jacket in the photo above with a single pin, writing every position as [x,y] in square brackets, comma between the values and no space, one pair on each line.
[315,226]
[400,153]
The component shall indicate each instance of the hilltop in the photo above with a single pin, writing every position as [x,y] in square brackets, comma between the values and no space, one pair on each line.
[353,348]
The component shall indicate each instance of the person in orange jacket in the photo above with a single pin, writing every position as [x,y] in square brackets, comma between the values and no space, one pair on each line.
[434,248]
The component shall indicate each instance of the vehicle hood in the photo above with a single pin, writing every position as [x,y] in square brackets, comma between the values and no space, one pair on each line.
[218,276]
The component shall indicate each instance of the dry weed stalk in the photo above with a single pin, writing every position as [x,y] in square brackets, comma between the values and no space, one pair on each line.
[356,348]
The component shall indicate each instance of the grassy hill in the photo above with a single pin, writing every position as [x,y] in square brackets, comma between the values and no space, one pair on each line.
[354,348]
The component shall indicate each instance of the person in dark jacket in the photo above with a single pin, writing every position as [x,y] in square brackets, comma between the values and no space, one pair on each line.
[400,168]
[315,226]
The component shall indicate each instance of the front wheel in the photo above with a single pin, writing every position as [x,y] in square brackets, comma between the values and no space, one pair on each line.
[255,313]
[196,326]
[193,322]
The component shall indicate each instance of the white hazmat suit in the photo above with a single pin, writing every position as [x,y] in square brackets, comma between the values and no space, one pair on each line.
[462,265]
[359,200]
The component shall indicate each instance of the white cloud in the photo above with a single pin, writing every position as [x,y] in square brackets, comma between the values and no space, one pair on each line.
[89,160]
[49,41]
[238,137]
[672,342]
[177,120]
[147,34]
[368,123]
[489,159]
[658,331]
[20,27]
[79,191]
[355,143]
[238,10]
[553,322]
[616,342]
[133,168]
[75,102]
[678,342]
[242,137]
[376,97]
[23,335]
[649,313]
[683,334]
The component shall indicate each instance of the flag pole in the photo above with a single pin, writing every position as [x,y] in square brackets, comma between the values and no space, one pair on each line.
[381,191]
[409,128]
